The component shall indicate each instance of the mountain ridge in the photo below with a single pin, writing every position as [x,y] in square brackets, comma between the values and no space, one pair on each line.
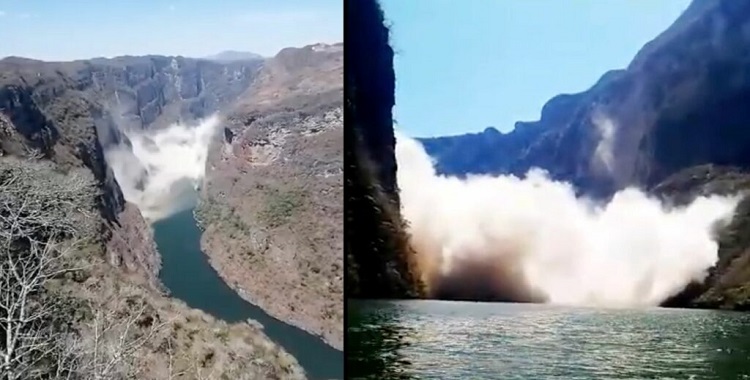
[234,55]
[272,206]
[675,110]
[65,114]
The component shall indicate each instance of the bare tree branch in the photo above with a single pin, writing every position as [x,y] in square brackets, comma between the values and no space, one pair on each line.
[41,222]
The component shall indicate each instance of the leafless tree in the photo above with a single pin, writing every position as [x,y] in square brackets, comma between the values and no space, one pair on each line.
[42,218]
[106,348]
[45,216]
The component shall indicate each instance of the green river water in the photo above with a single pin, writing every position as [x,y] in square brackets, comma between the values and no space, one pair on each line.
[465,340]
[189,277]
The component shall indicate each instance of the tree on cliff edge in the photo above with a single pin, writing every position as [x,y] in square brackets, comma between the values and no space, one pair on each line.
[45,217]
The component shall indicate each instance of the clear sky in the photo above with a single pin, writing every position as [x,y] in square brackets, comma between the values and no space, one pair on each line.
[75,29]
[464,65]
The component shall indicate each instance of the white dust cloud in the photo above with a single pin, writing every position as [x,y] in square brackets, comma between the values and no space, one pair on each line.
[160,170]
[531,239]
[604,149]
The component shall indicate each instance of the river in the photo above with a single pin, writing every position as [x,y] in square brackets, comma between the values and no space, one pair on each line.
[188,275]
[466,340]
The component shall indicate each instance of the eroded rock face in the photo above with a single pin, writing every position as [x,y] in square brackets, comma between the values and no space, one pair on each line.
[72,111]
[673,122]
[377,249]
[136,92]
[272,201]
[726,285]
[678,104]
[68,113]
[131,246]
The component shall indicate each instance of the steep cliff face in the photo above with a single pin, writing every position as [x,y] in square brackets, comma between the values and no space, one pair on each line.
[376,246]
[673,122]
[677,105]
[71,111]
[272,201]
[66,113]
[136,92]
[727,283]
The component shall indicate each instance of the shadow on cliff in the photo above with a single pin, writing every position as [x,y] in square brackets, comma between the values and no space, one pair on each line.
[376,246]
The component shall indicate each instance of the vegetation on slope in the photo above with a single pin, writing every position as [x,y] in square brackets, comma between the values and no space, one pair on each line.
[727,284]
[272,202]
[65,314]
[103,311]
[272,212]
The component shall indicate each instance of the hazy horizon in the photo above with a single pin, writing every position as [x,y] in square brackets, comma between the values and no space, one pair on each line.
[78,30]
[206,56]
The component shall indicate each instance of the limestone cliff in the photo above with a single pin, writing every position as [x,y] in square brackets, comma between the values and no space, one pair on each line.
[71,111]
[272,202]
[377,250]
[66,113]
[673,122]
[678,104]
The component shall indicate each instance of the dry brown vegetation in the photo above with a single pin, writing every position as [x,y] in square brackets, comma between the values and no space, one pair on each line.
[68,111]
[275,228]
[272,204]
[66,314]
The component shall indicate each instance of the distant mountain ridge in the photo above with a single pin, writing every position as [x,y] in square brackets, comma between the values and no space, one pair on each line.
[69,112]
[688,81]
[233,55]
[674,122]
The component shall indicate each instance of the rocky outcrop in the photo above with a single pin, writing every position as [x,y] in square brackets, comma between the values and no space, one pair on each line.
[272,202]
[678,104]
[727,284]
[376,246]
[131,246]
[673,122]
[67,113]
[136,92]
[71,111]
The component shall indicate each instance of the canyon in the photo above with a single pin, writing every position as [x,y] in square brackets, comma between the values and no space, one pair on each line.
[71,114]
[272,203]
[670,124]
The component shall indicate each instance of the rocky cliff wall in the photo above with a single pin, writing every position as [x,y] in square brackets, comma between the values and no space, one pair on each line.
[376,246]
[272,202]
[677,105]
[673,122]
[69,112]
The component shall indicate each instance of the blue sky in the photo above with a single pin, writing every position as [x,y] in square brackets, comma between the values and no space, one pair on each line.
[464,65]
[74,29]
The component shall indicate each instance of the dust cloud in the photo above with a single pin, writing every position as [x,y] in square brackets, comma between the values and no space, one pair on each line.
[532,240]
[160,170]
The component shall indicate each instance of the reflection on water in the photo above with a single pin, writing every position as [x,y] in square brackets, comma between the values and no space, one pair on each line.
[374,345]
[437,339]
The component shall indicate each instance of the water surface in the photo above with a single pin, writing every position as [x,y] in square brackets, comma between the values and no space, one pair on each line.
[187,273]
[465,340]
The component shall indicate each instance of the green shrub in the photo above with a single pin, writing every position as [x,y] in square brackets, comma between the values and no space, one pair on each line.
[281,206]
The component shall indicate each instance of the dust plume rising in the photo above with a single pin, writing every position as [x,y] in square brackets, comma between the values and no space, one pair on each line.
[160,170]
[530,239]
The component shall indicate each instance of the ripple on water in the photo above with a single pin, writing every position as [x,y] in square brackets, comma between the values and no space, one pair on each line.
[437,339]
